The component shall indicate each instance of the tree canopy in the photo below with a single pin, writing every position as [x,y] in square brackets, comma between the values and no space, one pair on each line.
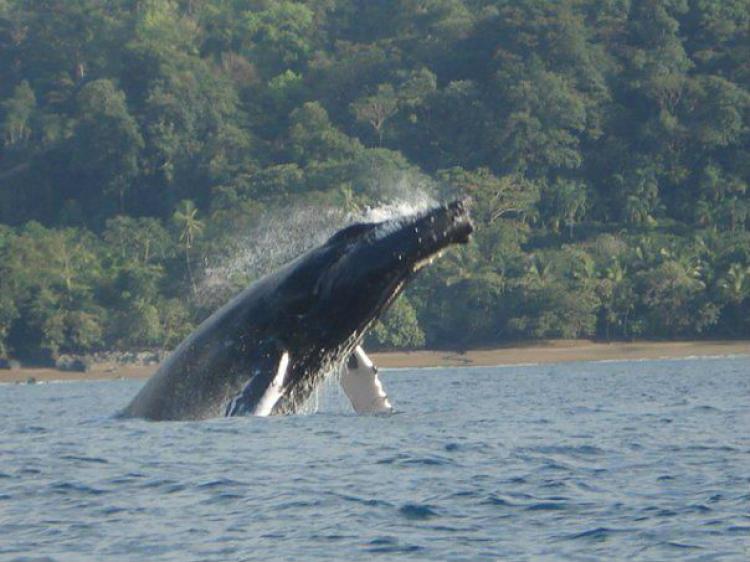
[605,145]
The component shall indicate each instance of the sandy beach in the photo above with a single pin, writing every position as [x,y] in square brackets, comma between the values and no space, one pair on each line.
[517,354]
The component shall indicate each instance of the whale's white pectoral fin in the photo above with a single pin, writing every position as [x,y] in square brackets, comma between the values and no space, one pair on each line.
[362,386]
[274,390]
[262,391]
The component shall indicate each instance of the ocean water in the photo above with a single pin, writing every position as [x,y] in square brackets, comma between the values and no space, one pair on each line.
[644,460]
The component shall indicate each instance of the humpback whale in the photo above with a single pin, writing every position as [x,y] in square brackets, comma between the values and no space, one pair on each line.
[266,350]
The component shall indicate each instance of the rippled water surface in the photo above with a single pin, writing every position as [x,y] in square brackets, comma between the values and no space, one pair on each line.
[585,461]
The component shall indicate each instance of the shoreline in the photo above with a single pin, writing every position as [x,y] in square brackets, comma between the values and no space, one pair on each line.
[556,351]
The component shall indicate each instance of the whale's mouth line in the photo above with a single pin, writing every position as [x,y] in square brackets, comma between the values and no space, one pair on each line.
[427,261]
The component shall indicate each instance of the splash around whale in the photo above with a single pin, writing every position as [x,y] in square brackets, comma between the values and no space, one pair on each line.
[268,349]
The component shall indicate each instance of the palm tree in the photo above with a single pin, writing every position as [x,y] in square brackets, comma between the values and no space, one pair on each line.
[538,273]
[185,217]
[349,199]
[583,269]
[736,282]
[617,298]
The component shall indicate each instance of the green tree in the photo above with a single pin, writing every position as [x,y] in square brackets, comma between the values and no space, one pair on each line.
[313,138]
[564,203]
[186,220]
[18,111]
[544,122]
[107,140]
[9,289]
[399,327]
[618,301]
[141,241]
[175,322]
[674,300]
[281,35]
[736,283]
[50,275]
[377,109]
[506,196]
[550,310]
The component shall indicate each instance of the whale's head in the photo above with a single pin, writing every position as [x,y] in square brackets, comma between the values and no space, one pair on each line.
[336,291]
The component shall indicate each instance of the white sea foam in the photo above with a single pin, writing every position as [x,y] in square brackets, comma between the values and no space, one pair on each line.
[283,235]
[327,396]
[276,239]
[393,210]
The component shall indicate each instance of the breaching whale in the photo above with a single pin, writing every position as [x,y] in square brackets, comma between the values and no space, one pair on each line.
[266,350]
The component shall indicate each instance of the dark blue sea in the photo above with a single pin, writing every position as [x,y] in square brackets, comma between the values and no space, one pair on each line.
[645,460]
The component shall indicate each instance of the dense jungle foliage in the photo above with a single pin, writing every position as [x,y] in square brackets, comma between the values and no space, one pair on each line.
[604,142]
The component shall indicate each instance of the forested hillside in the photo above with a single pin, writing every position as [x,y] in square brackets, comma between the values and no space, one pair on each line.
[604,142]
